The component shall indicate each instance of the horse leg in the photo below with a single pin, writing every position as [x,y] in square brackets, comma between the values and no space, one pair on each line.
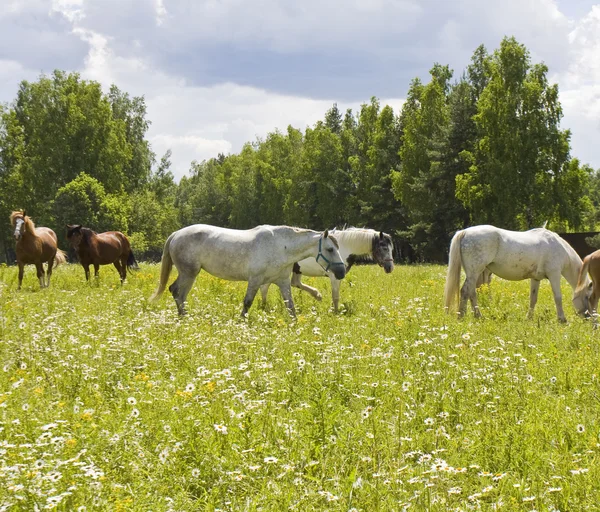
[96,270]
[21,270]
[555,283]
[249,297]
[49,271]
[594,307]
[86,268]
[123,271]
[297,283]
[264,290]
[469,292]
[40,274]
[182,286]
[119,268]
[534,287]
[335,292]
[286,292]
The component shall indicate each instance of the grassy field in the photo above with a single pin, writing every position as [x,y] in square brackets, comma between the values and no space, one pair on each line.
[110,403]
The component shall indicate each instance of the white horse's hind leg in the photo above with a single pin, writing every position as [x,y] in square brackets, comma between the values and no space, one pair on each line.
[469,292]
[555,283]
[181,287]
[534,287]
[297,283]
[335,292]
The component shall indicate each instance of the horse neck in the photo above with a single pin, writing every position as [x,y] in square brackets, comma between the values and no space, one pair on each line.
[357,241]
[30,232]
[302,244]
[572,266]
[88,236]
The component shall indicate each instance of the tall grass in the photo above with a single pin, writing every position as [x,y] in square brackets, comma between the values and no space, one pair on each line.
[110,403]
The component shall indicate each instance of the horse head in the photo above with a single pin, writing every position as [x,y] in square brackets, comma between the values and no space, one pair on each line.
[383,248]
[17,219]
[329,255]
[581,299]
[74,234]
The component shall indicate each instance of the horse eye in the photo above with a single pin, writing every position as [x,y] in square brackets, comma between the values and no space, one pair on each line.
[330,249]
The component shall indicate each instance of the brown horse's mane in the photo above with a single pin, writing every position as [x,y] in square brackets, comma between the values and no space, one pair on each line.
[87,233]
[29,225]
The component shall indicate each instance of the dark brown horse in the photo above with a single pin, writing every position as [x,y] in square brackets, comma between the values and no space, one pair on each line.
[101,249]
[35,246]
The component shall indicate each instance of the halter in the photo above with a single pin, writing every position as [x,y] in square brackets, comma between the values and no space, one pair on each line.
[329,263]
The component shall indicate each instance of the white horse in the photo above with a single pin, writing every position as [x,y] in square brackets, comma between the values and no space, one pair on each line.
[354,242]
[264,254]
[514,255]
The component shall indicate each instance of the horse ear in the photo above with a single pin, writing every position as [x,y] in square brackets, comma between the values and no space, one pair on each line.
[381,235]
[325,233]
[24,214]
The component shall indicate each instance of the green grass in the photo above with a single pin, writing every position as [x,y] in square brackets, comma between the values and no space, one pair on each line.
[110,403]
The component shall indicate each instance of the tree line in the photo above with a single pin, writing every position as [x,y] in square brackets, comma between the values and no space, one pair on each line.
[483,147]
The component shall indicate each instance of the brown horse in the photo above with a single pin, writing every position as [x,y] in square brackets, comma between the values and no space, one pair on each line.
[35,246]
[589,293]
[101,249]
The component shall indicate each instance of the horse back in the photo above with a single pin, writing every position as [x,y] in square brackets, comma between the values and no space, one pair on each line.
[40,248]
[104,248]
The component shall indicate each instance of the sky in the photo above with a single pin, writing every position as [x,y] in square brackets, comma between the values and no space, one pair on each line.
[218,73]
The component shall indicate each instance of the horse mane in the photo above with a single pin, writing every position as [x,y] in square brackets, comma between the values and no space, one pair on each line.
[364,237]
[29,224]
[86,234]
[305,230]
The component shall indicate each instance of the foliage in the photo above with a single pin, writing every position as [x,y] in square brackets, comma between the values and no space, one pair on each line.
[485,148]
[60,127]
[111,403]
[521,158]
[84,201]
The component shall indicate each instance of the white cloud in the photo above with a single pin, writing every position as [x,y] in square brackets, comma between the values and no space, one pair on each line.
[216,74]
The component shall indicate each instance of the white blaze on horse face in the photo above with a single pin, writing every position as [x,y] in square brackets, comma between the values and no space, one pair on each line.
[19,228]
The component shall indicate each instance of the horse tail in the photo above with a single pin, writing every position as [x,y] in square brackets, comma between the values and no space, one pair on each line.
[132,263]
[59,257]
[451,289]
[166,266]
[582,279]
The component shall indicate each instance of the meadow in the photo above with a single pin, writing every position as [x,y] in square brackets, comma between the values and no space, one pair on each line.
[108,402]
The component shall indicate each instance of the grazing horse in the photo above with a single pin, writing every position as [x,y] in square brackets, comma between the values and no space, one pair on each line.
[262,255]
[101,249]
[35,246]
[514,255]
[587,293]
[354,242]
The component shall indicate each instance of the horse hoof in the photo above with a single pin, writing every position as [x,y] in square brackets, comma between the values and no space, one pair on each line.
[319,297]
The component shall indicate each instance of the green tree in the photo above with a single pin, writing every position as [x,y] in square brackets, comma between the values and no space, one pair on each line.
[84,201]
[521,149]
[437,127]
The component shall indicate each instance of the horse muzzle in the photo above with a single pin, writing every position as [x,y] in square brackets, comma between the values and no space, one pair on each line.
[388,266]
[339,271]
[17,235]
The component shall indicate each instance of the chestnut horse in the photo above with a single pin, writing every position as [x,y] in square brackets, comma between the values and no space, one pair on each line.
[35,246]
[101,249]
[588,292]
